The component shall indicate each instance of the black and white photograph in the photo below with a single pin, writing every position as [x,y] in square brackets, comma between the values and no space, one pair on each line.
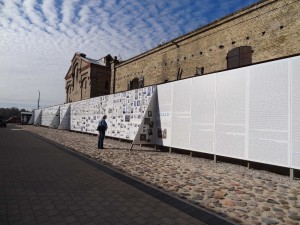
[146,121]
[143,137]
[151,124]
[161,133]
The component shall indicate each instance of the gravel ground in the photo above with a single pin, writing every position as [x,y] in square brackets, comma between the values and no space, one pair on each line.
[243,195]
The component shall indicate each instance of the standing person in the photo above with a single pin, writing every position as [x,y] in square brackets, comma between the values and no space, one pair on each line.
[102,127]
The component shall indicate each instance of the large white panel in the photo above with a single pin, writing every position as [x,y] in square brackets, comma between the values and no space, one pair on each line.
[127,111]
[163,115]
[48,115]
[181,114]
[31,120]
[63,110]
[269,152]
[268,113]
[86,114]
[56,119]
[203,113]
[146,134]
[65,117]
[295,90]
[230,113]
[37,116]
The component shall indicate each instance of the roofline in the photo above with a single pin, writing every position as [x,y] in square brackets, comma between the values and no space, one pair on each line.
[86,60]
[222,70]
[201,29]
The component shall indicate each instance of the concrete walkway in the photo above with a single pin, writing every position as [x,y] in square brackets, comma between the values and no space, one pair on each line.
[43,183]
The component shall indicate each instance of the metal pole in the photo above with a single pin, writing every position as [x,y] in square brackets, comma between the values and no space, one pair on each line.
[38,106]
[292,174]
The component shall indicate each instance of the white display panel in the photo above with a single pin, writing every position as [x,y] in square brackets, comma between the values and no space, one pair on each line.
[163,115]
[37,116]
[56,120]
[181,114]
[269,113]
[203,113]
[85,115]
[295,128]
[124,112]
[127,112]
[31,120]
[48,115]
[63,109]
[145,134]
[230,113]
[65,117]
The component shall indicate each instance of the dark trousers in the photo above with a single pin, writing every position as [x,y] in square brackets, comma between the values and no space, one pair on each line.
[101,139]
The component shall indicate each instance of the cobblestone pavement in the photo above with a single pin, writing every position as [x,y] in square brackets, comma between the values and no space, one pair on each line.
[243,195]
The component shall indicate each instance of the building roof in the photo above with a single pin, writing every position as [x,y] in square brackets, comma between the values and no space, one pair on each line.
[100,62]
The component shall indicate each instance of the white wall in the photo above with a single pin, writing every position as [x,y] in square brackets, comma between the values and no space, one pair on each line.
[250,113]
[48,114]
[37,116]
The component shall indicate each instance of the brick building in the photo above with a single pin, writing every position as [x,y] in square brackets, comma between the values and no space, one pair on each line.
[88,78]
[267,30]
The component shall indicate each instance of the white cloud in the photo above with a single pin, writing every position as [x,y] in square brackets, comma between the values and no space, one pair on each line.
[38,38]
[50,12]
[31,11]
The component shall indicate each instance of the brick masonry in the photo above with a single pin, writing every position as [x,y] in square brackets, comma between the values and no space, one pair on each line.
[86,79]
[270,27]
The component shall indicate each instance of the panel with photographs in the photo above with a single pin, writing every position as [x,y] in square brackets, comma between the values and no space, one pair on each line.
[48,115]
[124,112]
[86,114]
[127,112]
[145,133]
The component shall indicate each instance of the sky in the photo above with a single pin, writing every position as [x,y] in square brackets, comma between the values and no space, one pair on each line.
[38,38]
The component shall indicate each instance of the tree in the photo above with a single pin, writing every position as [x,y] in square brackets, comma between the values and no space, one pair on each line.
[10,112]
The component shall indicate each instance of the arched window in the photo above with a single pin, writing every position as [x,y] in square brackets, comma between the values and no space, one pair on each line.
[85,84]
[76,71]
[240,56]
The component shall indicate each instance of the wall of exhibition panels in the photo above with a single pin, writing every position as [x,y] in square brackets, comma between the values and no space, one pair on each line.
[250,113]
[126,111]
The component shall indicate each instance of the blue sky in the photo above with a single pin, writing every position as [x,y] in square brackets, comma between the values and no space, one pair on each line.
[38,38]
